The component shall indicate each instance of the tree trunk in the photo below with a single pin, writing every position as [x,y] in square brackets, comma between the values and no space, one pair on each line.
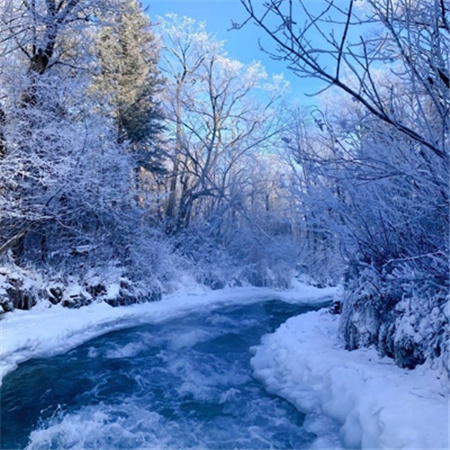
[170,211]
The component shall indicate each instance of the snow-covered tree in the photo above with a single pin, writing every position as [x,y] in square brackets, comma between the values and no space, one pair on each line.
[219,110]
[129,80]
[32,54]
[378,169]
[66,178]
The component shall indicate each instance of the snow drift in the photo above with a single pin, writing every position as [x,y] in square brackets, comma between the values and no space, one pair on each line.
[372,402]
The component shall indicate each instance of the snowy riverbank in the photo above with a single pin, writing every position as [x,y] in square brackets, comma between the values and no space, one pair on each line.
[372,402]
[47,329]
[369,402]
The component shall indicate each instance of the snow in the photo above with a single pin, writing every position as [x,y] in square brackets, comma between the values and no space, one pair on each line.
[372,402]
[48,330]
[112,290]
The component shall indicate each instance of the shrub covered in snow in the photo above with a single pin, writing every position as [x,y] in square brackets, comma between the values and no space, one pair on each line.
[404,314]
[243,256]
[108,282]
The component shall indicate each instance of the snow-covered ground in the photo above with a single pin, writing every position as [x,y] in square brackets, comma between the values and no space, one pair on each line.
[368,401]
[372,402]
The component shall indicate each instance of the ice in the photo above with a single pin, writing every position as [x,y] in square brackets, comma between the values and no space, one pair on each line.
[373,403]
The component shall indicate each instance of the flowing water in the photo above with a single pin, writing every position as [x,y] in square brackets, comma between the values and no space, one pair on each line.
[185,383]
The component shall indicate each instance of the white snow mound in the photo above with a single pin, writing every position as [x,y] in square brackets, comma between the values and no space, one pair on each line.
[373,403]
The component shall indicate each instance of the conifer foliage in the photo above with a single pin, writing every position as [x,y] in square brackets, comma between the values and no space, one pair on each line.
[128,79]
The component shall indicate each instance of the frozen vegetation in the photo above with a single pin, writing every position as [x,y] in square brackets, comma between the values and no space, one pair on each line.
[136,155]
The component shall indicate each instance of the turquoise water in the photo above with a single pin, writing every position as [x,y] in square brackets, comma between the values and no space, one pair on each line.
[185,383]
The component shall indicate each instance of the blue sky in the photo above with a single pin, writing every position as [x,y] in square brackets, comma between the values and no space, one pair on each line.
[240,44]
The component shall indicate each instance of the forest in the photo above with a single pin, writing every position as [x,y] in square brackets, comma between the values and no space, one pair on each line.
[135,150]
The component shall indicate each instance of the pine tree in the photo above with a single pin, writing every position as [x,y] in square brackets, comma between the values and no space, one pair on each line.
[130,80]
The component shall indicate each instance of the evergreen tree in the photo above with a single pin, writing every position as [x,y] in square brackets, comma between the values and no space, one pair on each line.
[130,81]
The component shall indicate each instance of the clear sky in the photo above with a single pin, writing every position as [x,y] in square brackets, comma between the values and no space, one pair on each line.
[240,44]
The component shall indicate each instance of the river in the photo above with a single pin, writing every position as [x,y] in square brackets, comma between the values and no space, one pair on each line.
[183,383]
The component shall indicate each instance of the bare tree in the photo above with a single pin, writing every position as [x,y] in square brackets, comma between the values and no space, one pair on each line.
[375,173]
[215,115]
[326,41]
